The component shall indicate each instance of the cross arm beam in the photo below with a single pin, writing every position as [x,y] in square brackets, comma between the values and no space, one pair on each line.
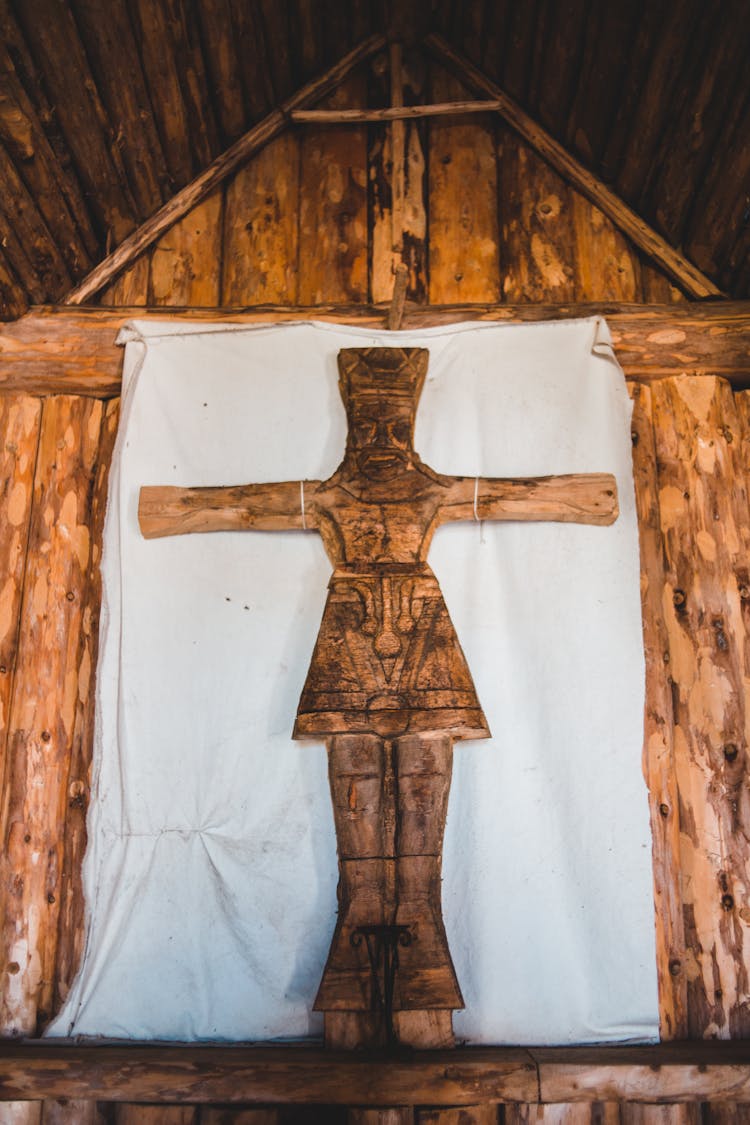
[576,498]
[168,510]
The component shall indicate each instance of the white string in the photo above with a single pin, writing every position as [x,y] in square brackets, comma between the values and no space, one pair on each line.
[302,504]
[476,512]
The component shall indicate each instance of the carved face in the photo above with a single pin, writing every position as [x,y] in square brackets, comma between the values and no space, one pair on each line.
[381,437]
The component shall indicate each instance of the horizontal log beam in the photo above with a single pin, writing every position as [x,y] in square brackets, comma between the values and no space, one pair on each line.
[61,350]
[391,113]
[711,1071]
[675,264]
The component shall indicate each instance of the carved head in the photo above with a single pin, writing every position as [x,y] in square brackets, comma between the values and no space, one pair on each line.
[381,388]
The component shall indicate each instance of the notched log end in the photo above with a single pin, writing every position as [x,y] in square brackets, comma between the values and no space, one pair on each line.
[153,502]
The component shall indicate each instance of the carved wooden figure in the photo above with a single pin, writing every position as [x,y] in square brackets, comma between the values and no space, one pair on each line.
[388,686]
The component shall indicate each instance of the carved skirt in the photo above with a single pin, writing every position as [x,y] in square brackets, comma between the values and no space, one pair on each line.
[387,661]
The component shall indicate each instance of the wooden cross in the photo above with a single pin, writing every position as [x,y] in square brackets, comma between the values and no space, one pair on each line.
[388,686]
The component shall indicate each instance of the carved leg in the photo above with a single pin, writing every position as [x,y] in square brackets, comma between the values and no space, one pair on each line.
[389,800]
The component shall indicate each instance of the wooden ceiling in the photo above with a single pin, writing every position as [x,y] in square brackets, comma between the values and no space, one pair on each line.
[108,108]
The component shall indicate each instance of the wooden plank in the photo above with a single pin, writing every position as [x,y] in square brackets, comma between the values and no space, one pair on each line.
[656,288]
[260,227]
[13,297]
[186,261]
[71,934]
[624,1074]
[537,253]
[227,1116]
[51,671]
[636,1113]
[73,1111]
[463,225]
[131,286]
[705,526]
[20,418]
[631,224]
[333,208]
[606,265]
[223,66]
[266,1075]
[216,173]
[563,1113]
[296,1075]
[20,1113]
[466,1115]
[658,750]
[391,113]
[397,196]
[57,349]
[397,1115]
[156,1115]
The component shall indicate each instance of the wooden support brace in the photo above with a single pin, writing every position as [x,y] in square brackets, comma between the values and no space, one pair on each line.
[396,311]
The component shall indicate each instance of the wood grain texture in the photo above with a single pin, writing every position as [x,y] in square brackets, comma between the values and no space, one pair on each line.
[396,1115]
[73,1111]
[20,418]
[156,1115]
[333,208]
[131,286]
[636,1113]
[261,227]
[466,1115]
[213,1115]
[562,1113]
[71,916]
[57,349]
[715,1071]
[52,674]
[607,267]
[658,749]
[537,243]
[186,261]
[463,225]
[705,539]
[644,237]
[20,1113]
[215,174]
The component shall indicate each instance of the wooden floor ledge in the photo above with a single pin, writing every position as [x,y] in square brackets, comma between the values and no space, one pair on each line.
[306,1074]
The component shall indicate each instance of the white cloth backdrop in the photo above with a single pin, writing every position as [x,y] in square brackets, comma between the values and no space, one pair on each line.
[211,870]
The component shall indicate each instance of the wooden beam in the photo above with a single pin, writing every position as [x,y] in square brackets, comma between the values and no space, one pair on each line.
[645,237]
[391,113]
[60,350]
[712,1071]
[216,173]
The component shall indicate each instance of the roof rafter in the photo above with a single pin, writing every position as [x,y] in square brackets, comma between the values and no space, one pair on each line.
[643,236]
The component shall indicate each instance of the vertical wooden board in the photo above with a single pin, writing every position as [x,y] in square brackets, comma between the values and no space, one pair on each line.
[606,265]
[50,670]
[725,1113]
[463,226]
[20,1113]
[639,1113]
[658,749]
[537,255]
[466,1115]
[186,261]
[73,1111]
[333,206]
[71,917]
[131,1114]
[395,1115]
[656,288]
[229,1115]
[705,532]
[261,210]
[19,425]
[563,1113]
[397,188]
[131,287]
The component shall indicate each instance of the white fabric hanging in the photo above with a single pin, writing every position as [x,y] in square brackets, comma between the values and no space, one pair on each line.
[211,870]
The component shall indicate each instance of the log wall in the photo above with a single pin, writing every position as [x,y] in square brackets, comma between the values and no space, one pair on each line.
[314,218]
